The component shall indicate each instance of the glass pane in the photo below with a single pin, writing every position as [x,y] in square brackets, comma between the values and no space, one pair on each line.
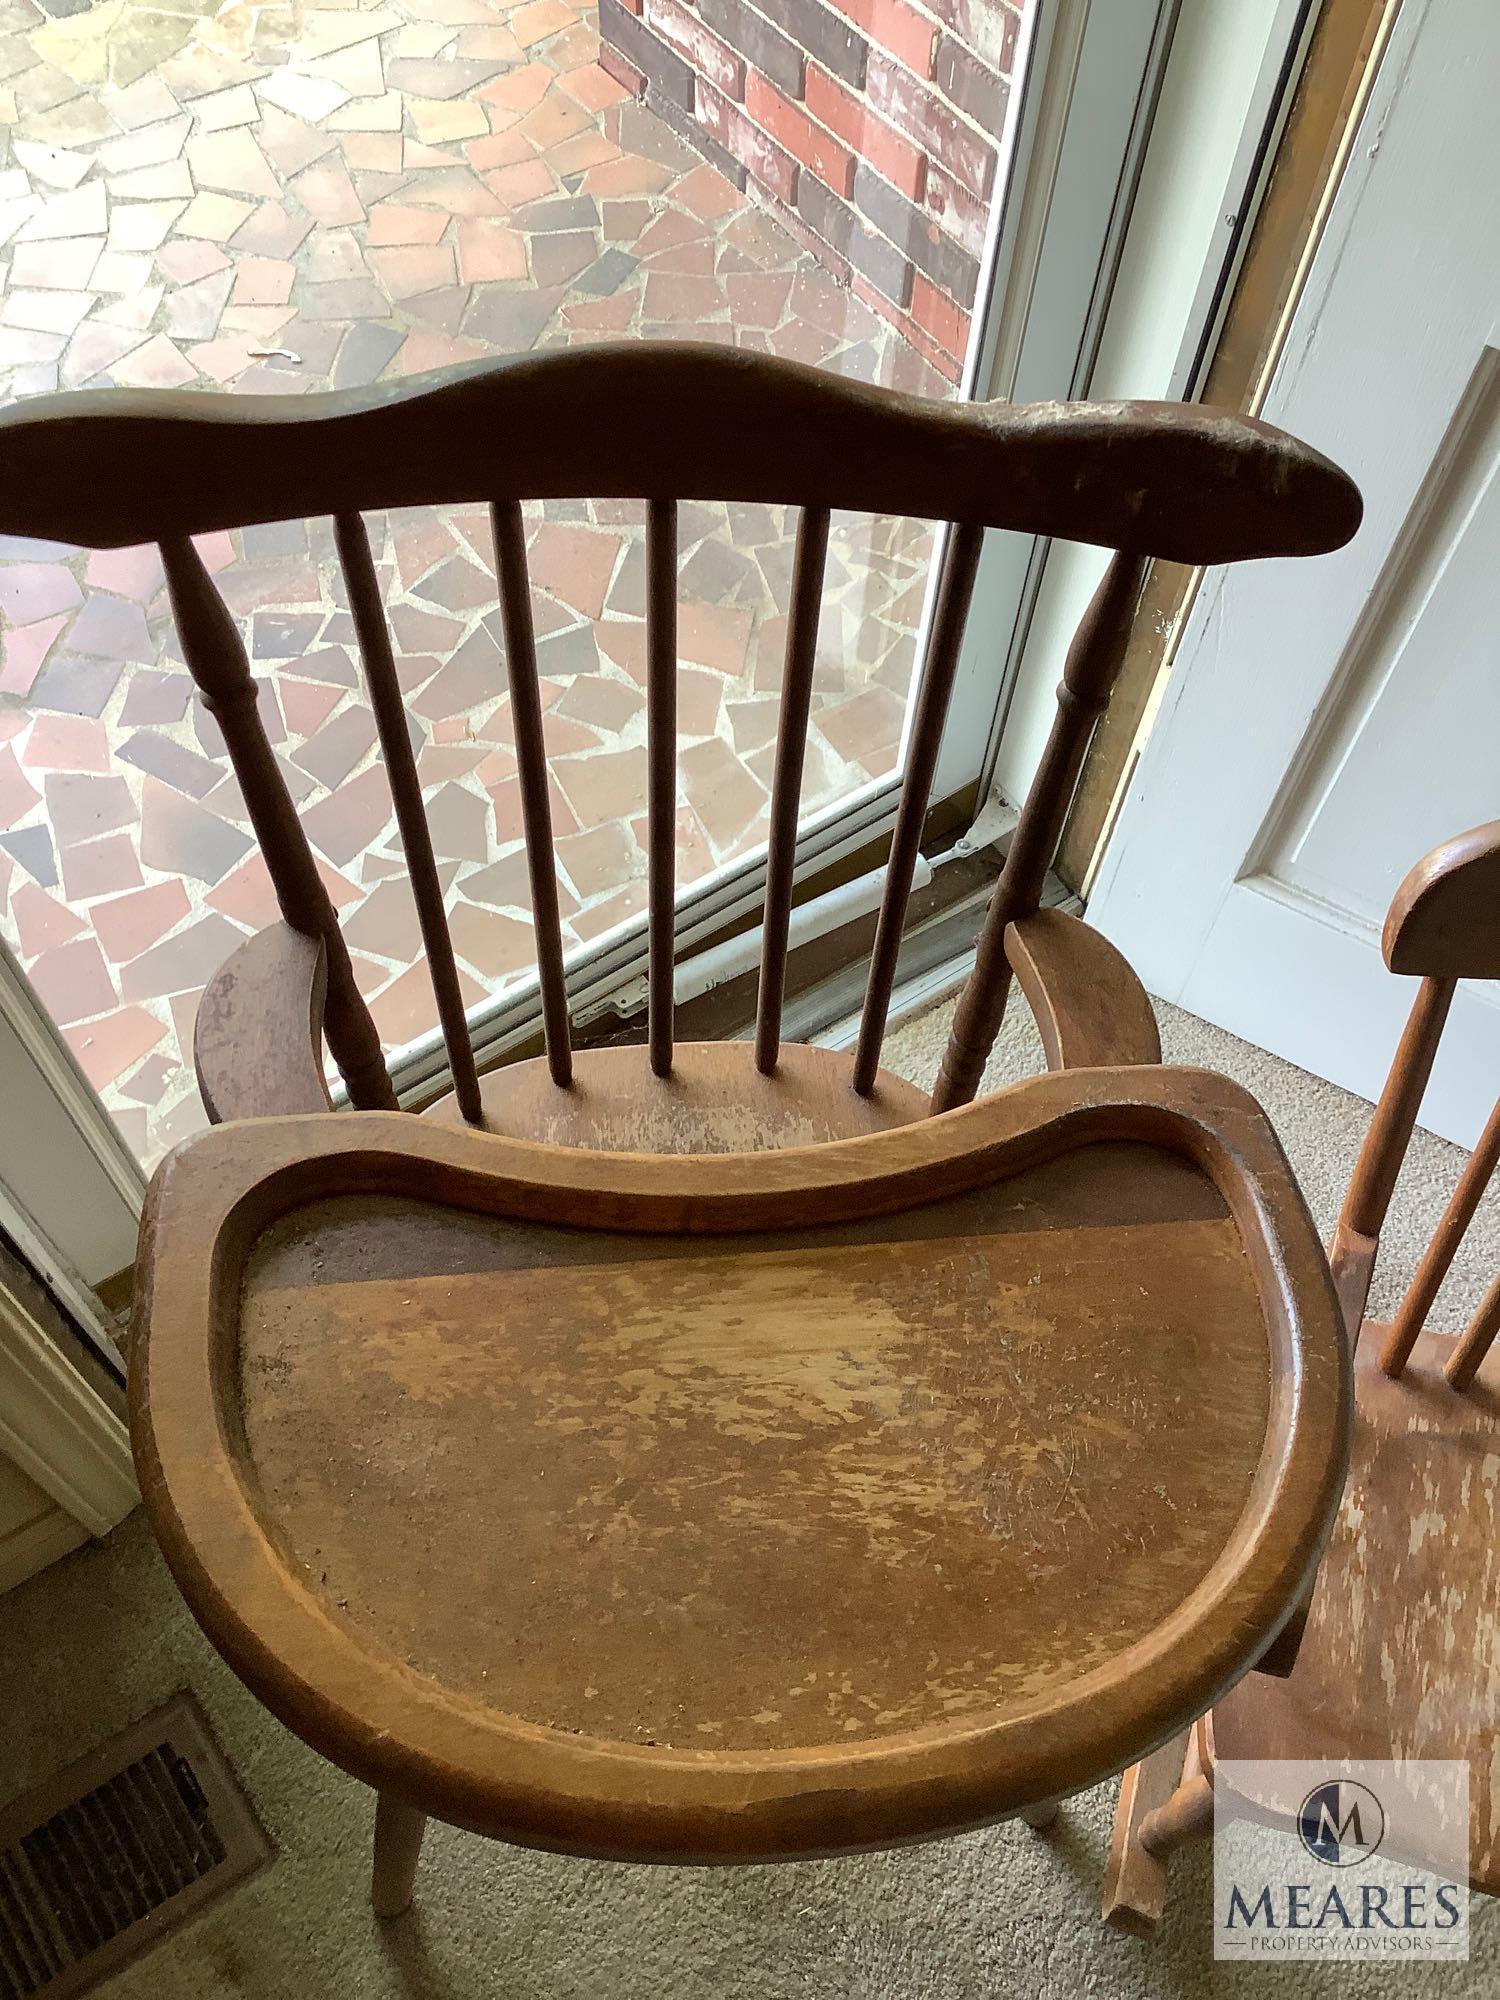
[333,196]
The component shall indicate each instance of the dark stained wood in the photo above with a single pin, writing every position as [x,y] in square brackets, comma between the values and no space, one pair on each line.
[661,776]
[719,1101]
[1469,1351]
[531,772]
[1445,920]
[1094,1299]
[1090,1009]
[258,1034]
[406,792]
[955,590]
[634,418]
[786,783]
[215,655]
[1088,674]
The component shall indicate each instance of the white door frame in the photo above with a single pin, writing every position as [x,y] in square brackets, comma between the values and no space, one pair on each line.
[1180,888]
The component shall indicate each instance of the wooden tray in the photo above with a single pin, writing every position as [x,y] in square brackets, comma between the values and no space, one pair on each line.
[753,1506]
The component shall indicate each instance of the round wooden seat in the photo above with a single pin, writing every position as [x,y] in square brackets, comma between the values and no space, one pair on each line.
[715,1101]
[791,1504]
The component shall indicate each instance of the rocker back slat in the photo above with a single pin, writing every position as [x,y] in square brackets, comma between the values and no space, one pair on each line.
[659,424]
[406,794]
[215,656]
[786,781]
[954,593]
[661,777]
[531,772]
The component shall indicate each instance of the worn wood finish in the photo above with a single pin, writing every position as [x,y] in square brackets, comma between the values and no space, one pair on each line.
[1094,1300]
[406,794]
[1373,1182]
[1444,922]
[628,418]
[1090,1009]
[661,794]
[258,1035]
[1088,674]
[1135,1880]
[955,590]
[1402,1653]
[1437,1259]
[398,1848]
[786,783]
[1469,1351]
[215,656]
[717,1101]
[531,773]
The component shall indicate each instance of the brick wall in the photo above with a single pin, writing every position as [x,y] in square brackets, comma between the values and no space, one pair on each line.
[871,126]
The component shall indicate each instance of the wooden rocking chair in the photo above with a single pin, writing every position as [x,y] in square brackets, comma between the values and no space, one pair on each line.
[701,1453]
[1401,1653]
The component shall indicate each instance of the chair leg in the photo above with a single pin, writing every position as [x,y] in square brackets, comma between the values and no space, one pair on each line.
[398,1846]
[1040,1817]
[1135,1879]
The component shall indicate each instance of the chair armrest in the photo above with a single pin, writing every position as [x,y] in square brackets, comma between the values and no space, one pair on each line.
[258,1037]
[1091,1010]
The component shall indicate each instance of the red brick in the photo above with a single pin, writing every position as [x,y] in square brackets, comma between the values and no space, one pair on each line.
[811,144]
[896,27]
[958,213]
[708,55]
[939,315]
[621,68]
[870,137]
[935,126]
[907,327]
[743,141]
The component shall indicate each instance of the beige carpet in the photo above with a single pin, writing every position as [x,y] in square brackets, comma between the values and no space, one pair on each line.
[102,1636]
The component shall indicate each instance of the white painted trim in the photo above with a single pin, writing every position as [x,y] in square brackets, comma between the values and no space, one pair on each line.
[57,1430]
[41,1542]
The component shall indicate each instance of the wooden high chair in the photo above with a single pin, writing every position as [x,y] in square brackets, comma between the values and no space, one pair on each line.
[702,1453]
[1401,1653]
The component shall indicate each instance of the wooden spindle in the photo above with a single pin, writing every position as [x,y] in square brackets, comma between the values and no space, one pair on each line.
[406,790]
[215,656]
[1463,1363]
[954,592]
[531,771]
[1478,1172]
[1094,660]
[786,784]
[661,755]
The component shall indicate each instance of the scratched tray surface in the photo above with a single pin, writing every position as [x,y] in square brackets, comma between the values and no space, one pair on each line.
[758,1492]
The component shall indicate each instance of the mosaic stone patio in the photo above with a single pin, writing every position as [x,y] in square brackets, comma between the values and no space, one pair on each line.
[278,198]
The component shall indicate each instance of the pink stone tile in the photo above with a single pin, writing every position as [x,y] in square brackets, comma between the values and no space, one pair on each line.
[592,87]
[626,176]
[41,922]
[351,818]
[394,222]
[272,231]
[127,925]
[215,217]
[80,212]
[181,964]
[520,89]
[181,837]
[17,794]
[100,868]
[113,628]
[72,982]
[409,270]
[714,635]
[67,264]
[493,945]
[232,163]
[454,190]
[539,21]
[263,281]
[24,650]
[489,250]
[35,590]
[306,704]
[499,149]
[107,1049]
[133,572]
[67,743]
[327,193]
[247,896]
[185,260]
[575,564]
[406,1008]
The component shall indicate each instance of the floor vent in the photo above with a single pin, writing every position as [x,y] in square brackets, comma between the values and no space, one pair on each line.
[102,1860]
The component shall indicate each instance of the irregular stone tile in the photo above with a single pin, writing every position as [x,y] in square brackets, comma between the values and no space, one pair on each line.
[155,699]
[272,231]
[518,185]
[493,945]
[366,351]
[458,821]
[409,270]
[406,1008]
[351,818]
[438,79]
[183,838]
[184,963]
[455,190]
[139,226]
[183,769]
[575,564]
[171,181]
[491,251]
[556,259]
[81,212]
[98,867]
[67,264]
[36,590]
[41,922]
[304,96]
[607,274]
[73,982]
[221,109]
[149,1083]
[510,322]
[393,223]
[439,123]
[32,847]
[283,635]
[385,924]
[23,653]
[127,925]
[151,147]
[108,1048]
[712,635]
[605,705]
[263,281]
[216,217]
[350,298]
[193,311]
[338,746]
[306,704]
[66,743]
[75,686]
[458,585]
[366,117]
[607,786]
